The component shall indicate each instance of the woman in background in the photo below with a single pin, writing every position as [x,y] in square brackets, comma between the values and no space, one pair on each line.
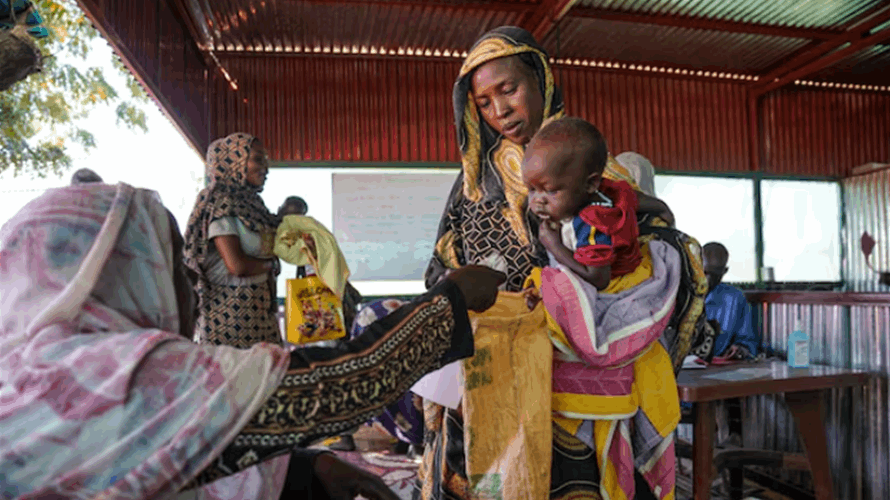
[229,244]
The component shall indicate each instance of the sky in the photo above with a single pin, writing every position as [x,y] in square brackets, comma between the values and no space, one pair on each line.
[160,159]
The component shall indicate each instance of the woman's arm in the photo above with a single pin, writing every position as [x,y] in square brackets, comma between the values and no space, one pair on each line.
[651,205]
[237,262]
[327,391]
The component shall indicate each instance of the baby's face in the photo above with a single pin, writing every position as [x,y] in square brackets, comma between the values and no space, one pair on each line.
[558,183]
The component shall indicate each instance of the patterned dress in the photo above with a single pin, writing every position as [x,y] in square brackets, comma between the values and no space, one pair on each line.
[234,311]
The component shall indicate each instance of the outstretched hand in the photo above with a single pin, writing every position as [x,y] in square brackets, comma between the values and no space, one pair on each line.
[479,285]
[344,481]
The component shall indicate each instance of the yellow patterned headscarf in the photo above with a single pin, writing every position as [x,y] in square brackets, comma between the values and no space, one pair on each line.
[491,163]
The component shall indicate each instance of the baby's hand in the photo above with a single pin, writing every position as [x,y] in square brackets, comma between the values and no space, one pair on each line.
[532,297]
[548,234]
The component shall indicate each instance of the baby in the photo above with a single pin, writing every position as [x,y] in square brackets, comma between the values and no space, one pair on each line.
[588,222]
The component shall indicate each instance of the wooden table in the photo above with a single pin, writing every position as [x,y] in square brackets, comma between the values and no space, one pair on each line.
[804,390]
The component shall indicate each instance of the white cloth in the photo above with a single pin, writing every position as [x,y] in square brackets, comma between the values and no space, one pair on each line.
[251,245]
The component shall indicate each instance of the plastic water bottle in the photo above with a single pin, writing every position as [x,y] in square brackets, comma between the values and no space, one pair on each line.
[798,347]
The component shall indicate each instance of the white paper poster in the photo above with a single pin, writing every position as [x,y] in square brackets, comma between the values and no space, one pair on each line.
[386,224]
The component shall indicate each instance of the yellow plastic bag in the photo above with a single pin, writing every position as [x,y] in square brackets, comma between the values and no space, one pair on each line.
[312,311]
[506,404]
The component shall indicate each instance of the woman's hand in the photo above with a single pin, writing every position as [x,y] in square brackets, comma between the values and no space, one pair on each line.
[310,245]
[478,284]
[237,262]
[344,481]
[548,235]
[667,216]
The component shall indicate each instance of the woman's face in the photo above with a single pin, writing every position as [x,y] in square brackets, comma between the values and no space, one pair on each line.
[257,164]
[507,94]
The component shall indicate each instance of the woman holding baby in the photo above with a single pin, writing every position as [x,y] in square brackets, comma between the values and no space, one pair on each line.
[505,92]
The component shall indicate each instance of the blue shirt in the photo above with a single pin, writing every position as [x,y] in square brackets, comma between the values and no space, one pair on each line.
[586,235]
[727,304]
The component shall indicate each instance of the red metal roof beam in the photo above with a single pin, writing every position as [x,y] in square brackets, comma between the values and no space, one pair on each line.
[820,64]
[546,17]
[196,23]
[877,17]
[494,6]
[701,23]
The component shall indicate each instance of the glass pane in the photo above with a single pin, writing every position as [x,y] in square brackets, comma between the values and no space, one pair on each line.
[384,220]
[386,223]
[801,230]
[715,209]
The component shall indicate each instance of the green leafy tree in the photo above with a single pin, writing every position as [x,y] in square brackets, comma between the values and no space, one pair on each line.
[39,115]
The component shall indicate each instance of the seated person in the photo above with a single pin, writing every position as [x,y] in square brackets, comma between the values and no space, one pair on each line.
[183,415]
[726,305]
[293,205]
[352,298]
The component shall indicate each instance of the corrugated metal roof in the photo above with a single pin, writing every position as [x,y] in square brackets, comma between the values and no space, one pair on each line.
[796,13]
[281,25]
[748,37]
[867,67]
[597,39]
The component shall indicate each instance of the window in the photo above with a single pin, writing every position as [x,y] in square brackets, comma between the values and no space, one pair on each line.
[385,220]
[717,209]
[801,229]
